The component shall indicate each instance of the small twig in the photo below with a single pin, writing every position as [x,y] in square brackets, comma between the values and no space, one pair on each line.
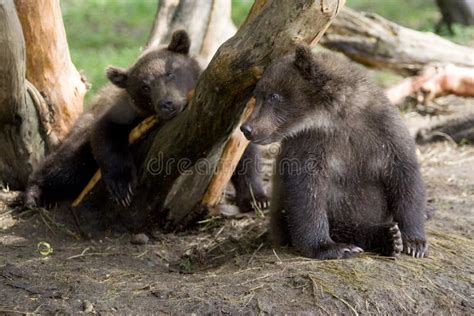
[7,311]
[141,254]
[6,213]
[314,287]
[326,289]
[254,253]
[258,210]
[77,222]
[254,280]
[47,218]
[79,255]
[276,255]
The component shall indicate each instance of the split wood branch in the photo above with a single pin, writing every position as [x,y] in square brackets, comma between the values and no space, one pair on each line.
[434,82]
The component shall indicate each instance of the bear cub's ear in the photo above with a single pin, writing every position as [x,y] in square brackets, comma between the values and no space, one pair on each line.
[304,60]
[180,42]
[117,76]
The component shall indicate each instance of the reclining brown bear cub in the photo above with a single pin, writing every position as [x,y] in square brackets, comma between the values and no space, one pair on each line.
[158,83]
[347,177]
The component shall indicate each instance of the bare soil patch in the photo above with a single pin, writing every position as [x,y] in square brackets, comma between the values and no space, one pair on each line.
[227,266]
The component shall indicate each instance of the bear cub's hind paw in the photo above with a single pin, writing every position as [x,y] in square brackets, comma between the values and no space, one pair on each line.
[393,241]
[336,251]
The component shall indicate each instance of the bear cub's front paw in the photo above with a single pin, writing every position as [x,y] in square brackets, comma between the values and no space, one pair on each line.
[415,246]
[121,185]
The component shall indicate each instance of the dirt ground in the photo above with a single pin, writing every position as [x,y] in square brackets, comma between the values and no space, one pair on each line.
[226,266]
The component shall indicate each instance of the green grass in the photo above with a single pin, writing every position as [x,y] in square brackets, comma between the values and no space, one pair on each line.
[112,32]
[420,15]
[416,14]
[106,32]
[240,8]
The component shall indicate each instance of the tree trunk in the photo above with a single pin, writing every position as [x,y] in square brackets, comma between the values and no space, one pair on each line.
[33,121]
[197,135]
[20,130]
[208,23]
[376,42]
[207,34]
[49,67]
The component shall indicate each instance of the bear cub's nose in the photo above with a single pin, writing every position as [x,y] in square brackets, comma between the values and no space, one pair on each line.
[247,130]
[166,106]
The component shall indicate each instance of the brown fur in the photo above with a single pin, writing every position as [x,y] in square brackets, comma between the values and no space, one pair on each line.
[347,178]
[157,83]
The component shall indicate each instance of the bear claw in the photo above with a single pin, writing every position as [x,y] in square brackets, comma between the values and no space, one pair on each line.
[396,238]
[415,247]
[262,204]
[121,194]
[335,251]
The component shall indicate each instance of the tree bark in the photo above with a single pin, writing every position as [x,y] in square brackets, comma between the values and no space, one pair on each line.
[376,42]
[20,130]
[208,23]
[198,135]
[49,67]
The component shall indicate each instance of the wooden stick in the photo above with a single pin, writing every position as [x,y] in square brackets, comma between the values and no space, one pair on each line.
[233,151]
[136,133]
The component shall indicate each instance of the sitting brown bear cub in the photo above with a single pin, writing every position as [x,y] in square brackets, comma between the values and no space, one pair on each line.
[347,177]
[158,83]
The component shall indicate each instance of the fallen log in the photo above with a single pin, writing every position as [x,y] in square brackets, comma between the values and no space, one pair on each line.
[459,130]
[376,42]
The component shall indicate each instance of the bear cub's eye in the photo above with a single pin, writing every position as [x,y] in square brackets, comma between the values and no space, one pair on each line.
[275,97]
[169,76]
[146,88]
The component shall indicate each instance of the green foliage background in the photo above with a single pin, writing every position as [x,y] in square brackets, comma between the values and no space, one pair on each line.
[112,32]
